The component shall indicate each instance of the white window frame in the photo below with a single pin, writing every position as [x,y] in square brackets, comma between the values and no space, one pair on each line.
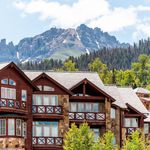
[5,88]
[92,129]
[50,99]
[113,113]
[13,81]
[52,89]
[24,129]
[9,125]
[144,128]
[131,125]
[42,126]
[5,128]
[84,106]
[17,127]
[4,79]
[24,99]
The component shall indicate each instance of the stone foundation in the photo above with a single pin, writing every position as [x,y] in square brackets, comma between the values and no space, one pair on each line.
[12,143]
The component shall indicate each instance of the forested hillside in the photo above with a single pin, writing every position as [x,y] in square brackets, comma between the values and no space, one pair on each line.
[119,58]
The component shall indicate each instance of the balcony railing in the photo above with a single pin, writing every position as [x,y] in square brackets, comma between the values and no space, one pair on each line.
[12,104]
[87,116]
[130,130]
[47,109]
[47,141]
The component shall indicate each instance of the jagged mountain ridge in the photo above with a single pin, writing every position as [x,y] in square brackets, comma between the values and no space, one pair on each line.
[58,43]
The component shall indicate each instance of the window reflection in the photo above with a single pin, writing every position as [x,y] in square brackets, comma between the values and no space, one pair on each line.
[80,107]
[88,107]
[4,81]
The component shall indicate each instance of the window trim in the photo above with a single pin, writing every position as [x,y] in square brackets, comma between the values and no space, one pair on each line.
[77,108]
[111,115]
[9,125]
[20,127]
[50,127]
[5,83]
[92,129]
[42,95]
[131,122]
[5,128]
[52,89]
[13,81]
[26,95]
[6,93]
[147,128]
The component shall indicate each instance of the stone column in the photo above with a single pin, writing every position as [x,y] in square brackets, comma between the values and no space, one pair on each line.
[64,123]
[107,111]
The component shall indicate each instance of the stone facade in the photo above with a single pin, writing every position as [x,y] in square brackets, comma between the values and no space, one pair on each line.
[64,123]
[113,124]
[13,143]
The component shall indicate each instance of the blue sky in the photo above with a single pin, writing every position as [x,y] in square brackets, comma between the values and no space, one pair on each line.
[128,20]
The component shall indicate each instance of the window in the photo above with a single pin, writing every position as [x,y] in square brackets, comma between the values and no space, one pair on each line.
[114,141]
[84,107]
[48,88]
[24,95]
[46,129]
[81,95]
[145,95]
[96,133]
[24,130]
[18,127]
[2,127]
[11,82]
[45,100]
[113,113]
[8,93]
[4,81]
[131,122]
[11,127]
[40,87]
[146,128]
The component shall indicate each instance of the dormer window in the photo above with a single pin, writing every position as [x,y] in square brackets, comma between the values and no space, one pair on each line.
[48,88]
[4,81]
[11,82]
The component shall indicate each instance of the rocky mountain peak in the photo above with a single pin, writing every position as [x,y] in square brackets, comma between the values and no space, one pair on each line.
[58,43]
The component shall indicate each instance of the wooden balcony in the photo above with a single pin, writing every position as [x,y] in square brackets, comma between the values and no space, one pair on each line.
[130,130]
[93,116]
[47,141]
[7,103]
[47,109]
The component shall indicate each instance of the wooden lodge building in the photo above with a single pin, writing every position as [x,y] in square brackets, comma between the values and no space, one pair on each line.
[37,108]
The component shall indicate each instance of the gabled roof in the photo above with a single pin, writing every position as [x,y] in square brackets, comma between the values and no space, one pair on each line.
[69,79]
[141,90]
[94,87]
[2,65]
[55,82]
[5,65]
[126,95]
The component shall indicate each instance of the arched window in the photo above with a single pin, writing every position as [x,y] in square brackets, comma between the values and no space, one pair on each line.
[48,88]
[11,82]
[4,81]
[40,87]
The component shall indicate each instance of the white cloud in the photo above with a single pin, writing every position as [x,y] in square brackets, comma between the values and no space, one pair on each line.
[142,29]
[23,15]
[64,15]
[116,20]
[96,13]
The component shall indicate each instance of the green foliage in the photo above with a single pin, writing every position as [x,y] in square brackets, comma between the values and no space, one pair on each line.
[140,69]
[82,139]
[70,66]
[79,138]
